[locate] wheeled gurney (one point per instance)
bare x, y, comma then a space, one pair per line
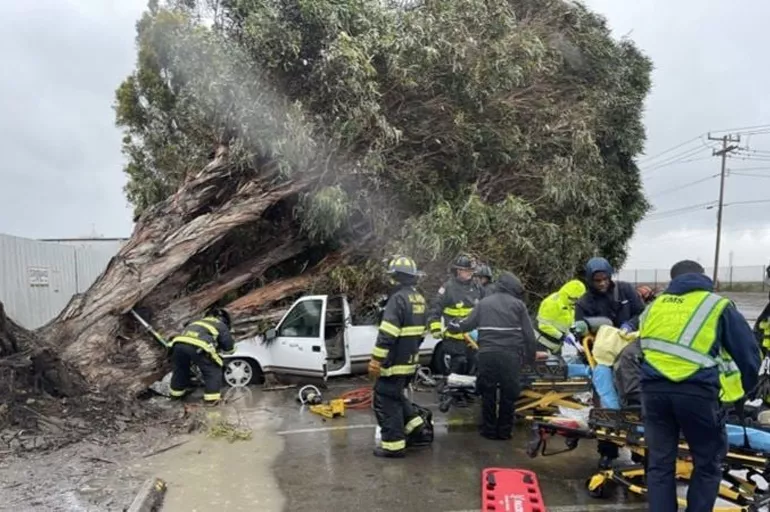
546, 385
749, 454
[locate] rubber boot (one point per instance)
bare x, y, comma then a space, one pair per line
379, 452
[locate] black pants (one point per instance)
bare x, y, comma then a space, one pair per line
457, 351
703, 424
395, 415
498, 370
184, 355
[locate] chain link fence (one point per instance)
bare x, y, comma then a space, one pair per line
734, 278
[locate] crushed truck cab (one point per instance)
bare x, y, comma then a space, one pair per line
317, 338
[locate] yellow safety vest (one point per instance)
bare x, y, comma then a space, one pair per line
677, 334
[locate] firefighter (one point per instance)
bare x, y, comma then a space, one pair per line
506, 340
556, 315
698, 355
455, 301
395, 358
200, 344
483, 276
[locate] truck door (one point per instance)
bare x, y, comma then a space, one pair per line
299, 346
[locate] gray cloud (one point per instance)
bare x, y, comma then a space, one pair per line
62, 163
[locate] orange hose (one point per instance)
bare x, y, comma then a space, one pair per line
360, 398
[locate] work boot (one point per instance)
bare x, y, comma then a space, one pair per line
419, 439
379, 452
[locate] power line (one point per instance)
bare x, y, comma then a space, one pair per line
748, 174
685, 185
685, 209
669, 150
756, 201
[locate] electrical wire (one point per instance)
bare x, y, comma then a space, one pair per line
677, 211
685, 185
748, 174
674, 159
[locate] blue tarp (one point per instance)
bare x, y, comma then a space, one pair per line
605, 387
758, 439
578, 370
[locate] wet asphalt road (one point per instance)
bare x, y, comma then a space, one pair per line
329, 466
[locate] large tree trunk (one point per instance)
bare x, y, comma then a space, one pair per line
94, 345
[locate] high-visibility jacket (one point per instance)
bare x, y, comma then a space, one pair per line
678, 333
209, 334
401, 332
556, 315
454, 302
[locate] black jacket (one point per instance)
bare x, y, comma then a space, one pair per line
454, 301
210, 334
401, 332
628, 374
620, 303
502, 321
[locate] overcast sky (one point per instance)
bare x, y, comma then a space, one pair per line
62, 164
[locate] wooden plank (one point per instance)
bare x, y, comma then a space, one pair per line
150, 496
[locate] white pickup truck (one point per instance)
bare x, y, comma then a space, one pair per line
316, 338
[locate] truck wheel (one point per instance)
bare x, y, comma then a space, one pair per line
241, 372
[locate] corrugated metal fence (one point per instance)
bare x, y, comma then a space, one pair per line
38, 278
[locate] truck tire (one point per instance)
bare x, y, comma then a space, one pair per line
241, 371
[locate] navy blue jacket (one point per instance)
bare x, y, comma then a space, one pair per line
620, 303
733, 333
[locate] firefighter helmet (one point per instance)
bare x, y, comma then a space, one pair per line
463, 262
403, 265
222, 314
484, 271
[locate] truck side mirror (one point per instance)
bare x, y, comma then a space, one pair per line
270, 335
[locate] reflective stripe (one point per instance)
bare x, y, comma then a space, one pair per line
458, 312
174, 392
398, 369
210, 397
678, 351
407, 330
698, 318
454, 336
413, 330
499, 328
206, 347
558, 325
413, 424
393, 446
728, 367
435, 326
548, 343
206, 325
389, 328
380, 352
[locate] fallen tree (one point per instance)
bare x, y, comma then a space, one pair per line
277, 148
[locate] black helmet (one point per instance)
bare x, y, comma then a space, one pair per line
403, 265
463, 262
222, 314
483, 270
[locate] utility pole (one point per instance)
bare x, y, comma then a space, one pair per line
723, 153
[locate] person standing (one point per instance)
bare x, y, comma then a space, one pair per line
395, 358
698, 354
617, 301
454, 301
506, 339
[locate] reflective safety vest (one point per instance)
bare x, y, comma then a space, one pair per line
677, 334
202, 334
764, 326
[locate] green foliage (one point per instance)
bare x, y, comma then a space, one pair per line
506, 129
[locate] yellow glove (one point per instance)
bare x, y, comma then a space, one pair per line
374, 368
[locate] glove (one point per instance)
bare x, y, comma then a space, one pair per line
626, 327
374, 368
580, 327
570, 339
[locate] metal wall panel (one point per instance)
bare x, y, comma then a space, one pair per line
37, 279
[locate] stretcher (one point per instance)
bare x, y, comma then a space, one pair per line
745, 470
508, 489
546, 385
